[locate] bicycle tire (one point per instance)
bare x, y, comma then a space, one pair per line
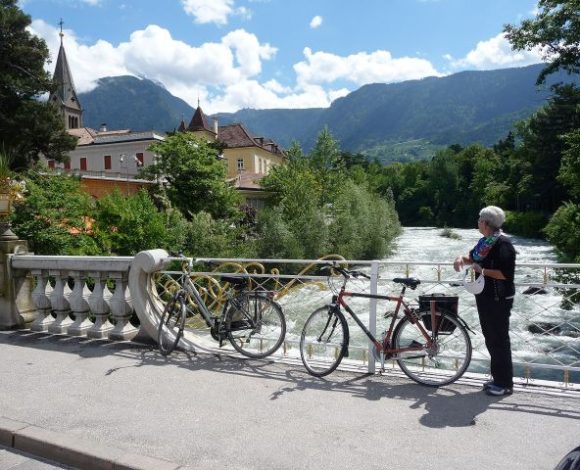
324, 341
441, 365
256, 326
171, 324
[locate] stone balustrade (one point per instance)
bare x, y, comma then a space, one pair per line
79, 295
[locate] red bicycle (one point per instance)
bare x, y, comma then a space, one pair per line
430, 343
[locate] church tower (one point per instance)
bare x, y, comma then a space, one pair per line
65, 95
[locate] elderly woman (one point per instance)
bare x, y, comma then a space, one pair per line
494, 258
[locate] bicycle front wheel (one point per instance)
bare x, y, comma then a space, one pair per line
324, 341
440, 363
172, 323
255, 325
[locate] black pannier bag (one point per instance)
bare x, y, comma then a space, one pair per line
443, 303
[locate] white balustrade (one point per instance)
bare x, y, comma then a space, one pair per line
81, 311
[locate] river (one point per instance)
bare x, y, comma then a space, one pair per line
531, 315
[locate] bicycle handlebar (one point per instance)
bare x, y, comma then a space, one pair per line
345, 272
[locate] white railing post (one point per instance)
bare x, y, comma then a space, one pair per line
98, 302
41, 299
371, 366
121, 308
79, 305
59, 302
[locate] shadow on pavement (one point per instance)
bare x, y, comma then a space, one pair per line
451, 406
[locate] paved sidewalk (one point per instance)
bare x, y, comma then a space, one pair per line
216, 412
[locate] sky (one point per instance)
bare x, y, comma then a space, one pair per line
234, 54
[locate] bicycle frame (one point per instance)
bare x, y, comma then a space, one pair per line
385, 345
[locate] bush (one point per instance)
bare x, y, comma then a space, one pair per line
126, 225
526, 224
207, 237
56, 216
563, 231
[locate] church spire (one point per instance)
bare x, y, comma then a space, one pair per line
65, 95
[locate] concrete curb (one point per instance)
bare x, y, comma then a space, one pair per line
75, 452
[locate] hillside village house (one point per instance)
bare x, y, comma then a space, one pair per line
107, 159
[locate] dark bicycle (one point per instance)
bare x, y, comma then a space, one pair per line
250, 320
431, 344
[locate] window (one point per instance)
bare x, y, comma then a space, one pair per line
51, 164
67, 165
139, 159
73, 122
240, 164
256, 203
107, 162
83, 164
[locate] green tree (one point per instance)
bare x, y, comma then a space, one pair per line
563, 231
28, 126
317, 208
325, 159
569, 173
542, 146
556, 28
127, 225
195, 176
55, 216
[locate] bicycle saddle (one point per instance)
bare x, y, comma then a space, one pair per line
234, 281
408, 281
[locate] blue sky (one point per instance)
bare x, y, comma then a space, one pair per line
234, 54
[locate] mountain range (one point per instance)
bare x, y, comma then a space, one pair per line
397, 121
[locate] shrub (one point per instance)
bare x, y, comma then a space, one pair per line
526, 224
563, 231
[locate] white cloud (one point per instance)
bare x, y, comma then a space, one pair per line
316, 22
226, 75
213, 11
248, 51
92, 2
495, 53
203, 71
361, 68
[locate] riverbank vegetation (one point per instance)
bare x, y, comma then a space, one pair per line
318, 206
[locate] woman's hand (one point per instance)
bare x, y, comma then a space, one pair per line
458, 263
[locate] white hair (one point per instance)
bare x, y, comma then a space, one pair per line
493, 215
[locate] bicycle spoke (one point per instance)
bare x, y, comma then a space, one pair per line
443, 361
321, 353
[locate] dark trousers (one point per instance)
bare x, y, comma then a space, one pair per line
494, 317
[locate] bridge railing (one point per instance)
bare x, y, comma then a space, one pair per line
116, 297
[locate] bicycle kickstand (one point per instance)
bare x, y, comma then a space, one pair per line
382, 369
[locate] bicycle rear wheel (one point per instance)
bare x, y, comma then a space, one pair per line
324, 341
442, 363
172, 323
255, 325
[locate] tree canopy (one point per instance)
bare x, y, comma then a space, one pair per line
556, 28
28, 126
195, 176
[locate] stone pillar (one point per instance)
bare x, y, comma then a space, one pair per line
16, 308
